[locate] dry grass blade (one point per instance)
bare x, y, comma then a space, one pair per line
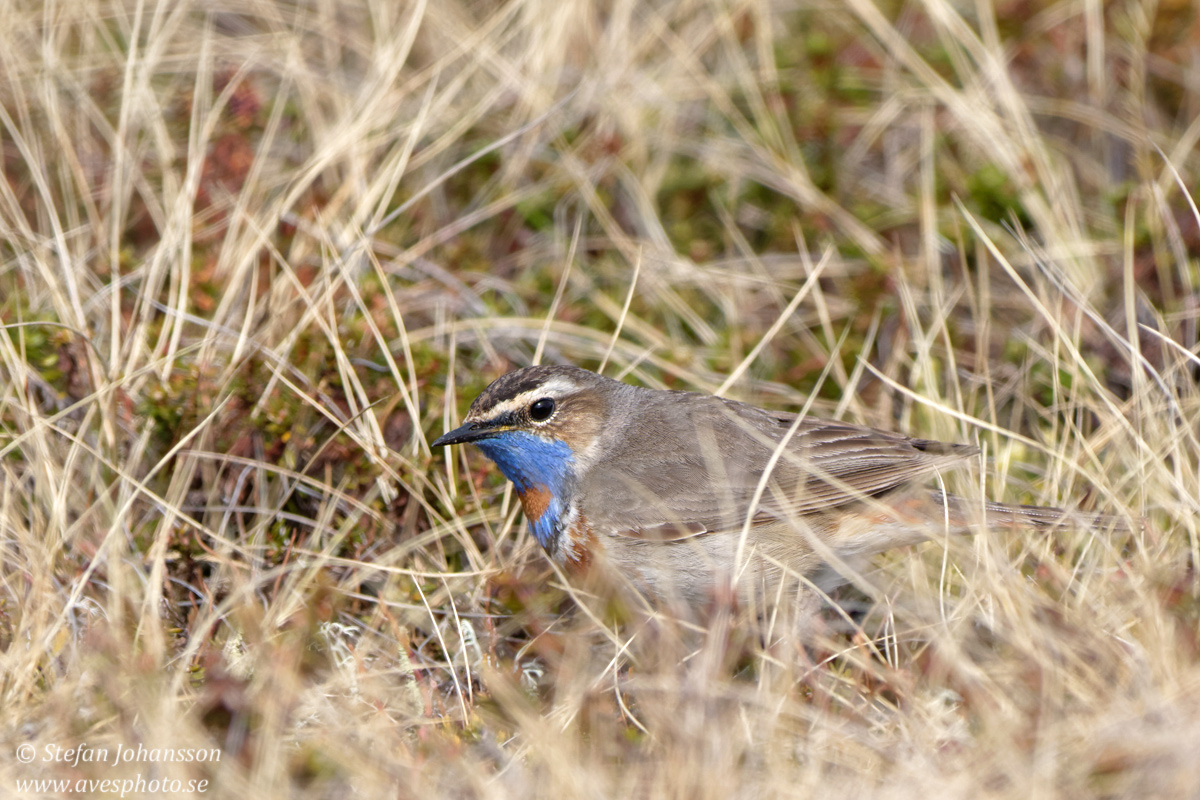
254, 255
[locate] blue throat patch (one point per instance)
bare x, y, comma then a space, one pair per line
534, 463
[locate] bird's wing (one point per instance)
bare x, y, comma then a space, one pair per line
834, 463
702, 469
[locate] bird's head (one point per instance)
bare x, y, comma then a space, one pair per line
541, 426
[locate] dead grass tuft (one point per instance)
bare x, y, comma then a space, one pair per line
256, 254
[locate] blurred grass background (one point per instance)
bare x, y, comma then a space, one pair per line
255, 255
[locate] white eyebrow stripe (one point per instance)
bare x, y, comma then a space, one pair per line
512, 404
555, 387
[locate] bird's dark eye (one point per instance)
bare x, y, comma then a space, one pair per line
541, 410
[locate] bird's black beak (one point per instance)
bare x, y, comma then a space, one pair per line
470, 432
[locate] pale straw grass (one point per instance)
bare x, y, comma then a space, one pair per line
257, 253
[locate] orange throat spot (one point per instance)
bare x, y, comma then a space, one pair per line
535, 500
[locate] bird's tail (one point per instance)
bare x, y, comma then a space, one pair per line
1001, 514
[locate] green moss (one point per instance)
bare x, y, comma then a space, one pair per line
995, 197
538, 212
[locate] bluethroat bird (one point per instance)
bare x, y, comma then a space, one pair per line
682, 494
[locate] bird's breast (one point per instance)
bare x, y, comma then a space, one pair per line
577, 545
560, 529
